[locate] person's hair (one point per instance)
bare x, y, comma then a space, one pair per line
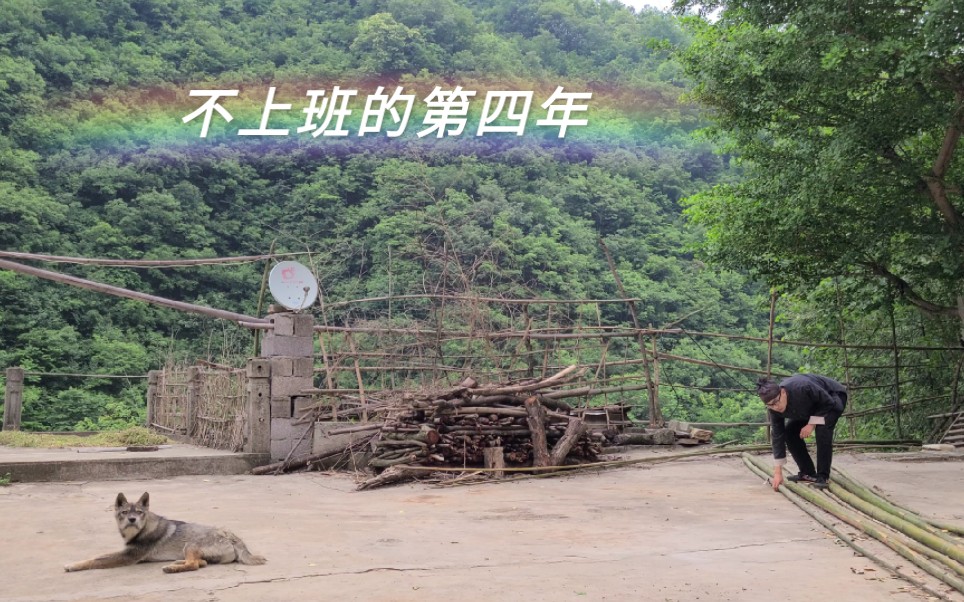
767, 389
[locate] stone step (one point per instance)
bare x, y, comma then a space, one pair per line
134, 468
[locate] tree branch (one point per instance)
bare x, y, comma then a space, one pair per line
908, 293
935, 179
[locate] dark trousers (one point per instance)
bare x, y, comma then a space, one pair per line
824, 437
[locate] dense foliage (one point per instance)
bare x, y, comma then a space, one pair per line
517, 218
846, 118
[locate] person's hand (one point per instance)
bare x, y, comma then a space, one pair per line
806, 431
777, 479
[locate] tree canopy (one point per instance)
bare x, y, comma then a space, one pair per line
846, 120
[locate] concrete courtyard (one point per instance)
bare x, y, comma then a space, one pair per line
702, 529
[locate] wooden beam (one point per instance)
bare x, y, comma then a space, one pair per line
117, 291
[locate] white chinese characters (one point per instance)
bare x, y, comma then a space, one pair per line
445, 113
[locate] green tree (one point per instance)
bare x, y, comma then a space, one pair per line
846, 119
385, 46
21, 90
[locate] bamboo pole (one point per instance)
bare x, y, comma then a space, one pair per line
140, 263
942, 525
856, 488
828, 504
895, 570
795, 343
938, 549
484, 299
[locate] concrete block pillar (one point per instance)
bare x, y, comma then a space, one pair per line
289, 347
258, 390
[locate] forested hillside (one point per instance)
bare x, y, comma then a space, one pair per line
96, 161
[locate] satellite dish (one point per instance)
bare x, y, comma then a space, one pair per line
293, 285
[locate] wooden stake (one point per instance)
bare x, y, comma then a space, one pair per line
361, 385
494, 459
561, 449
537, 427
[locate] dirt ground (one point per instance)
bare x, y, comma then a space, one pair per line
703, 529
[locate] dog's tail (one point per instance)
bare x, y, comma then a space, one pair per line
246, 557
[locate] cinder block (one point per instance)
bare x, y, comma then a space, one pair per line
281, 366
303, 403
290, 346
304, 325
282, 428
259, 368
303, 366
281, 448
285, 434
280, 407
284, 324
289, 386
324, 442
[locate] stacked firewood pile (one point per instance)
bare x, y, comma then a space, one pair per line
470, 425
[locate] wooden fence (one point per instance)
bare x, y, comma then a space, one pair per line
204, 403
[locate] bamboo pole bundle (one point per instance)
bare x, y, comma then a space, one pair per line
844, 480
894, 569
898, 544
942, 526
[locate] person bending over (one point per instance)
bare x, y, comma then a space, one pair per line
800, 405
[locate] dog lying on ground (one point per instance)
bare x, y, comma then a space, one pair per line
152, 538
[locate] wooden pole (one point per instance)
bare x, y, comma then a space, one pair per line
328, 375
527, 342
193, 393
264, 285
13, 399
893, 334
127, 293
654, 409
653, 403
358, 377
851, 421
152, 380
773, 313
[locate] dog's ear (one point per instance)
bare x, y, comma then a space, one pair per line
121, 500
145, 500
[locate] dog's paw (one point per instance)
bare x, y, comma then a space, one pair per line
70, 568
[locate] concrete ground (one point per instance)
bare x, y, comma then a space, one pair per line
703, 529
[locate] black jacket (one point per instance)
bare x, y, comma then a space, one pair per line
808, 396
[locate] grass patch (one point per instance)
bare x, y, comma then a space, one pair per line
4, 480
133, 436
